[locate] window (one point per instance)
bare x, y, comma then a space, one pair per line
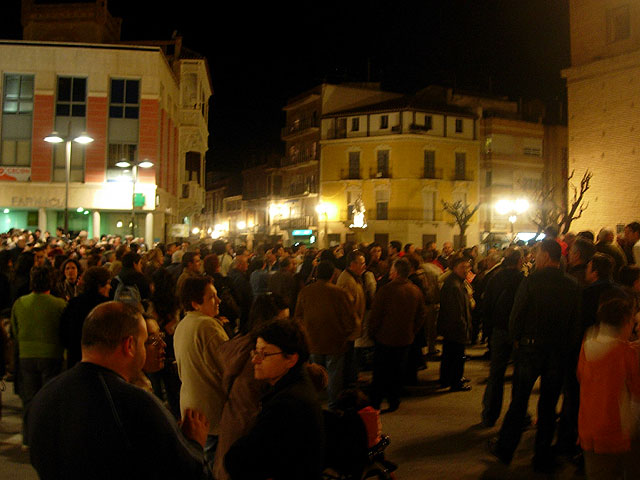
428, 122
429, 205
192, 167
17, 120
76, 166
459, 125
429, 164
461, 166
125, 99
383, 164
117, 153
355, 124
18, 94
382, 205
72, 97
488, 178
354, 165
618, 24
384, 122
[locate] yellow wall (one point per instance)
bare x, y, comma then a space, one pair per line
406, 186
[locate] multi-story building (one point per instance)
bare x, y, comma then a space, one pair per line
138, 102
521, 155
400, 158
292, 212
603, 85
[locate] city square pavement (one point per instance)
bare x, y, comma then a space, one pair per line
434, 435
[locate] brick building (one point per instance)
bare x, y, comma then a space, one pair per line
604, 100
139, 102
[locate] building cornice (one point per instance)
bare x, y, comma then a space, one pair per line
605, 66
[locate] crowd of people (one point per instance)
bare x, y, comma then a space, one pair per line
233, 346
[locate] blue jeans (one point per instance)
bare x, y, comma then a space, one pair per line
335, 368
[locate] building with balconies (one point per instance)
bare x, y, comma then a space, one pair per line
401, 158
139, 101
293, 204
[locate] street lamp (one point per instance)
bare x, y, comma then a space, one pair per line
513, 208
82, 139
134, 178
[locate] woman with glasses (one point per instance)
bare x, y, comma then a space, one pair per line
243, 401
155, 355
286, 441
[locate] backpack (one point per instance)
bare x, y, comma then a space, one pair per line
127, 293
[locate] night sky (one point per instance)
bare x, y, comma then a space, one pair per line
260, 55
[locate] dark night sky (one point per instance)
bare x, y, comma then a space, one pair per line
260, 55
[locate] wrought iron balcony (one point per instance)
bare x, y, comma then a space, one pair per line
379, 173
350, 174
432, 173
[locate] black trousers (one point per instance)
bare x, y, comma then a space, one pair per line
529, 364
451, 364
388, 367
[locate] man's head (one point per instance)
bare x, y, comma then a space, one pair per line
549, 253
356, 262
513, 258
401, 269
632, 233
325, 270
394, 248
600, 267
113, 336
40, 278
191, 262
606, 235
617, 313
447, 249
96, 280
132, 260
409, 248
288, 264
581, 252
460, 267
551, 232
39, 256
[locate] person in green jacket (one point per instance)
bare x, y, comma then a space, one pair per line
35, 324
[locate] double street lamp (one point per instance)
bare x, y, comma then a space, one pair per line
134, 178
82, 139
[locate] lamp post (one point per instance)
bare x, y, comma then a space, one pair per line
82, 139
512, 209
134, 178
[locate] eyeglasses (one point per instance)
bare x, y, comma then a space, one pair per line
154, 340
260, 356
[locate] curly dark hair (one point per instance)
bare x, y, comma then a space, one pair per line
164, 299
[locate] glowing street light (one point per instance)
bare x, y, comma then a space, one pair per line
134, 178
82, 139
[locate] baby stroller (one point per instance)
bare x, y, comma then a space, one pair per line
354, 447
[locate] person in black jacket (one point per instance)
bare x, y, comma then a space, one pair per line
454, 324
131, 274
496, 307
287, 440
95, 290
89, 422
545, 327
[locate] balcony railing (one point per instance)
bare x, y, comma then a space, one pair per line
413, 214
432, 173
379, 173
461, 176
297, 223
296, 128
302, 188
299, 158
420, 128
349, 174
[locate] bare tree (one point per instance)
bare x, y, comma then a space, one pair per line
462, 213
547, 212
577, 205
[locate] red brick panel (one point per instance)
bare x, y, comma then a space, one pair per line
41, 151
162, 167
149, 139
175, 162
96, 152
170, 154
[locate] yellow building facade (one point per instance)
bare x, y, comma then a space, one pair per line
401, 160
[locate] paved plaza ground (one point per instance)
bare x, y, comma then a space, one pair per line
434, 435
